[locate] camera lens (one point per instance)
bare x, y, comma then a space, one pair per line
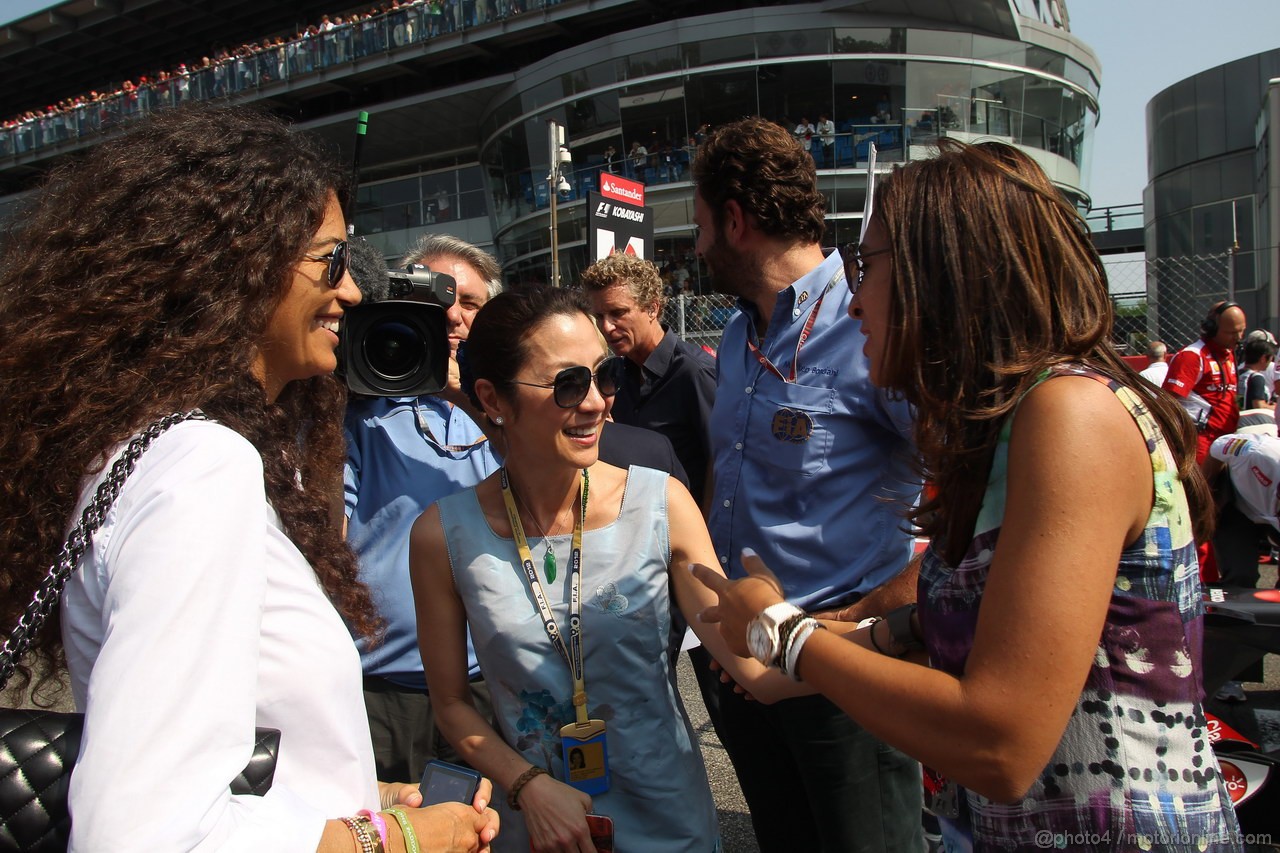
394, 349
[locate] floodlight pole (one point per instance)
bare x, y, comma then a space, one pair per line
555, 140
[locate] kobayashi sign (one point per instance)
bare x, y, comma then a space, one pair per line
616, 225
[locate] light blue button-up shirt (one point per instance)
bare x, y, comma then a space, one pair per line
815, 474
403, 454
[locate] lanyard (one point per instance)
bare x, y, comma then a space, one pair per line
804, 335
426, 430
573, 653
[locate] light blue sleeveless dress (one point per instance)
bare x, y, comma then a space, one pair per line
659, 799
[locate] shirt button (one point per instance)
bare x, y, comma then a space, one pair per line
738, 446
727, 502
724, 561
749, 389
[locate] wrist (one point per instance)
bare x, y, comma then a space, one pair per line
513, 793
797, 634
401, 837
764, 633
904, 635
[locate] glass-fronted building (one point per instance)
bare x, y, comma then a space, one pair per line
458, 141
1211, 158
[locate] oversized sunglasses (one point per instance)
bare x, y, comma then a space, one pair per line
572, 384
337, 260
855, 270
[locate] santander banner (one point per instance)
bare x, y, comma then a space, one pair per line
622, 189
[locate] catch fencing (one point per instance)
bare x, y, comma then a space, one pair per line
1155, 299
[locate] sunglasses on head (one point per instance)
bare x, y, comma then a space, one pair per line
337, 260
572, 384
855, 270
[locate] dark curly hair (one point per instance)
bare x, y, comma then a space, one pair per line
767, 172
994, 279
137, 284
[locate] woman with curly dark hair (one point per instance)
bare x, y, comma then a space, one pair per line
1049, 672
196, 262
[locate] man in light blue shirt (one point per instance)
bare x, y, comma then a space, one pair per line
404, 454
812, 468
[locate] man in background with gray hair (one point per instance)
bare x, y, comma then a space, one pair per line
1157, 368
403, 454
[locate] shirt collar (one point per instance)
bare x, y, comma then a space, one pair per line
1216, 350
795, 300
660, 359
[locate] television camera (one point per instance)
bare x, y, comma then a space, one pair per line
398, 346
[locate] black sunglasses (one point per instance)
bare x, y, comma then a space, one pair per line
851, 255
337, 260
573, 383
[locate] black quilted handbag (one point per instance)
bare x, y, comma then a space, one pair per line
39, 748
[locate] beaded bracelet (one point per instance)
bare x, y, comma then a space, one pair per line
406, 829
798, 637
378, 824
522, 780
360, 829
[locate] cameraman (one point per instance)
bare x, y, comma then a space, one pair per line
403, 454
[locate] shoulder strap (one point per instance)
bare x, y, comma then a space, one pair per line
50, 589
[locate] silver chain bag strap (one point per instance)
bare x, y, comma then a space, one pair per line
38, 749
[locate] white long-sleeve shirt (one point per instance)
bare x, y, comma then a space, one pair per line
191, 620
1254, 463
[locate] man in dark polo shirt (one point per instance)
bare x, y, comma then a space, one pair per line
669, 387
670, 384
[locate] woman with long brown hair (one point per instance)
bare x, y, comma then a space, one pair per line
196, 262
1059, 607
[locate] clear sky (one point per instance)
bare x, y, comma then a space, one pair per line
1145, 46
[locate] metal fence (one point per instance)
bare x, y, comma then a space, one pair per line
1160, 299
1167, 298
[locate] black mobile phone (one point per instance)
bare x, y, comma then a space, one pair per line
443, 782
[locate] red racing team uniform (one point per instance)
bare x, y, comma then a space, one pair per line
1206, 369
1203, 377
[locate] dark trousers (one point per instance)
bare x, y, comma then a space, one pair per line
402, 724
1237, 545
817, 781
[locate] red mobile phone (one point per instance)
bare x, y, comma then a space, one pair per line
601, 828
601, 832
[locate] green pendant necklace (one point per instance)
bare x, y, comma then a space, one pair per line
549, 567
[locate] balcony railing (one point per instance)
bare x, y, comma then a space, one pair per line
253, 67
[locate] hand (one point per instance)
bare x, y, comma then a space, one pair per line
454, 828
740, 600
840, 614
399, 794
452, 390
555, 815
407, 794
726, 678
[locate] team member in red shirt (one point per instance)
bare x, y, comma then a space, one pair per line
1202, 376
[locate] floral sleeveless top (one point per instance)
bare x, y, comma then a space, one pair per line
1134, 770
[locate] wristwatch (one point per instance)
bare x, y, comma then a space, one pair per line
762, 634
901, 631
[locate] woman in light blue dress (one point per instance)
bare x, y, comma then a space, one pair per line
541, 373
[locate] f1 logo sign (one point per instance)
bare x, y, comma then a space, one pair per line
602, 209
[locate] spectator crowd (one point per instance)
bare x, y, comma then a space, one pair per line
333, 40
